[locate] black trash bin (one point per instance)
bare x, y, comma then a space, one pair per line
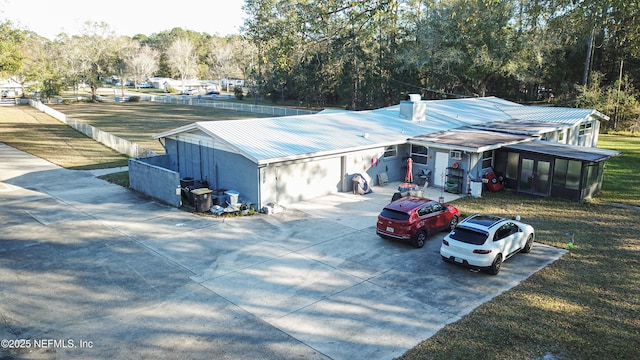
187, 182
202, 199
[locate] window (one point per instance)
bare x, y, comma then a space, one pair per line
567, 173
561, 136
394, 214
424, 210
592, 174
390, 151
419, 154
487, 158
573, 175
512, 165
560, 172
585, 129
469, 236
505, 230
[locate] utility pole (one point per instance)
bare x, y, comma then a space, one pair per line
615, 116
587, 63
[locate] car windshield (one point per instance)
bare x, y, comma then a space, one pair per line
394, 214
468, 236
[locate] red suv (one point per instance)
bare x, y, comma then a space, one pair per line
415, 219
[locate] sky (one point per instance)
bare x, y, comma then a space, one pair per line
48, 18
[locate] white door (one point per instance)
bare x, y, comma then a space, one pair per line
442, 161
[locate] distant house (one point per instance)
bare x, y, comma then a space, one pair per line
539, 150
10, 88
194, 85
231, 82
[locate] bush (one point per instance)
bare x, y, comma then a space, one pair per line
134, 99
172, 90
237, 91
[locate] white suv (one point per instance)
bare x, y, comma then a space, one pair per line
485, 241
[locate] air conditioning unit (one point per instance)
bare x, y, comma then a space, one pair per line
455, 154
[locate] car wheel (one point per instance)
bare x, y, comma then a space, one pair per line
454, 222
495, 267
527, 247
420, 239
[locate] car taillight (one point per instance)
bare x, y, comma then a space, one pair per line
445, 242
481, 251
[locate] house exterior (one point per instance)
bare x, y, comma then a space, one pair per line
289, 159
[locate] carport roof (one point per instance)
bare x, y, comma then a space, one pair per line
330, 132
582, 153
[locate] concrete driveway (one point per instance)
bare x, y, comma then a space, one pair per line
92, 270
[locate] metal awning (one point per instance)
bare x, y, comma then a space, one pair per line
582, 153
469, 140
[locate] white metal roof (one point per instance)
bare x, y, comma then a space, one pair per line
267, 140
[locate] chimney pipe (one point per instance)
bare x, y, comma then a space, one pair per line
413, 109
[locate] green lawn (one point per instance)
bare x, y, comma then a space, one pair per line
586, 305
622, 174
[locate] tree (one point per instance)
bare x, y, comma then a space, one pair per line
221, 59
98, 51
182, 59
124, 49
10, 55
143, 64
45, 65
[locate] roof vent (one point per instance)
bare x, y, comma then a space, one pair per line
413, 109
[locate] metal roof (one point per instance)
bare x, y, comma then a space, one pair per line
583, 153
468, 139
330, 132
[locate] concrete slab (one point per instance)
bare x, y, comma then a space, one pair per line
88, 261
364, 321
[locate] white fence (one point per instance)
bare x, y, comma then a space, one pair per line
116, 143
214, 101
134, 150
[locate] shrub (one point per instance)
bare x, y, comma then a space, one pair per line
134, 99
237, 91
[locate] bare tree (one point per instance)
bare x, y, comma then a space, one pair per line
144, 64
124, 49
96, 46
182, 59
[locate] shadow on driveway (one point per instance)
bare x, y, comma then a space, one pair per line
91, 262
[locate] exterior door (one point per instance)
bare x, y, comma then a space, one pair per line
442, 161
534, 176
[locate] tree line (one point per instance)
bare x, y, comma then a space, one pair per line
369, 54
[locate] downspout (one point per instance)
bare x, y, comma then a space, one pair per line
261, 180
469, 173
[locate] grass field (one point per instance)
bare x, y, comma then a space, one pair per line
139, 121
39, 134
586, 305
621, 180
